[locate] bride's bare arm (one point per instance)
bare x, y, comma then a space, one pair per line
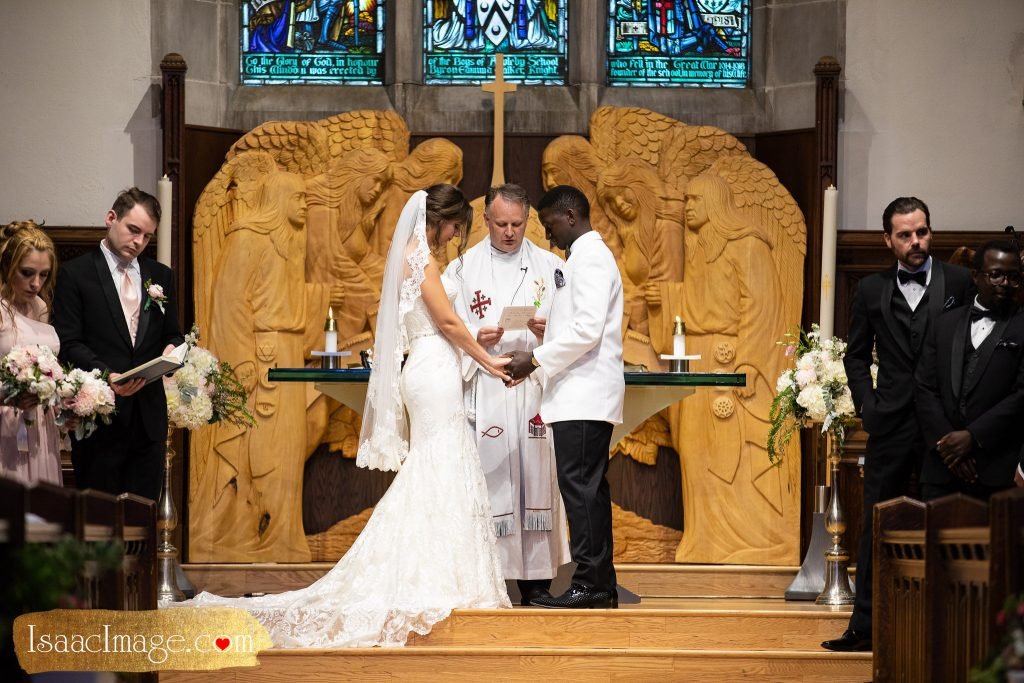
451, 325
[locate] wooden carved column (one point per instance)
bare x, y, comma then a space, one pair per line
173, 68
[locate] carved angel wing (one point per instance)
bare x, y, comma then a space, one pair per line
758, 192
382, 130
298, 146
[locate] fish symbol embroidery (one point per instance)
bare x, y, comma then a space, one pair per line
493, 432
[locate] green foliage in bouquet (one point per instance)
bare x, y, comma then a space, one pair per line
1010, 654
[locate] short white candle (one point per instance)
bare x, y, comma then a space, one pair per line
330, 333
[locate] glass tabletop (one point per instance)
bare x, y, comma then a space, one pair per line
691, 379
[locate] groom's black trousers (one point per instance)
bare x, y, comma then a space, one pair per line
581, 457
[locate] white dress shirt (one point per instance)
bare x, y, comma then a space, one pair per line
912, 291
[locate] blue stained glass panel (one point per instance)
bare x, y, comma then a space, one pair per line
697, 43
312, 42
461, 37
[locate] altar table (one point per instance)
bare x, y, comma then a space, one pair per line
647, 393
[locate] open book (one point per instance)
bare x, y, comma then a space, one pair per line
158, 367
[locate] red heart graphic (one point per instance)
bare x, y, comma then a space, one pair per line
222, 643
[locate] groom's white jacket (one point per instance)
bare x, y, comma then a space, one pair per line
581, 357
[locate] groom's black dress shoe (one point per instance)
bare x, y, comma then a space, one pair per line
580, 597
533, 593
850, 641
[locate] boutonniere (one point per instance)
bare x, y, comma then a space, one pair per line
539, 290
154, 296
559, 278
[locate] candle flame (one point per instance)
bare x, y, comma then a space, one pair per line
330, 312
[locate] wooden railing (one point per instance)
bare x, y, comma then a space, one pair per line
942, 571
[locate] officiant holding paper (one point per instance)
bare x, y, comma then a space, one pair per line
507, 280
107, 319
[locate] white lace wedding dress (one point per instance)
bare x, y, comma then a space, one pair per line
429, 546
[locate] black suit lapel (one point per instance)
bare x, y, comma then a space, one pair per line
895, 330
957, 351
936, 291
110, 294
144, 315
985, 352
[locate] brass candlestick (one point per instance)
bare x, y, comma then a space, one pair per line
837, 590
166, 522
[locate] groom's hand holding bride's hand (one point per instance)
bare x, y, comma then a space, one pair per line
520, 366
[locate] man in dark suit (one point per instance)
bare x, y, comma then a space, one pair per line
891, 312
107, 319
970, 384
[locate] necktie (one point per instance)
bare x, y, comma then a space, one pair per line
129, 301
905, 276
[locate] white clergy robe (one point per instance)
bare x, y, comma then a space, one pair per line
516, 451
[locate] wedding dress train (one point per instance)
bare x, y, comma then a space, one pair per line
429, 546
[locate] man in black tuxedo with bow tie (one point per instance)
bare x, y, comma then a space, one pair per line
891, 314
105, 319
970, 384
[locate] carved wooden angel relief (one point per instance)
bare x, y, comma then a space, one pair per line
354, 172
706, 232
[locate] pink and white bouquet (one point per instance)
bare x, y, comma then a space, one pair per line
205, 390
34, 370
87, 395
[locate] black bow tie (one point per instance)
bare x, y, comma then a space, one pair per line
980, 313
905, 276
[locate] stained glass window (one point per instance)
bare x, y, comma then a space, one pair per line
312, 41
461, 37
701, 43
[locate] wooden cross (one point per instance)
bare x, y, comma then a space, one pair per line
499, 87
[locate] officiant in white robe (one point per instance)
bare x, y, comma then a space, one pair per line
516, 449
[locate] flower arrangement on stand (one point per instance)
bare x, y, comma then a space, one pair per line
203, 391
813, 391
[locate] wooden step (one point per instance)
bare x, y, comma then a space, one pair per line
654, 623
539, 664
646, 580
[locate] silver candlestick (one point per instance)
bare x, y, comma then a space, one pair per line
166, 522
837, 590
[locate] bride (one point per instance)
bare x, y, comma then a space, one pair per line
429, 546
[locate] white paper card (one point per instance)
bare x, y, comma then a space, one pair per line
515, 317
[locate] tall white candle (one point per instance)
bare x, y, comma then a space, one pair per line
826, 312
163, 231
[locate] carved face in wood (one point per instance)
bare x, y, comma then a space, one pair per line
696, 211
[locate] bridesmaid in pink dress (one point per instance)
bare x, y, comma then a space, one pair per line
28, 268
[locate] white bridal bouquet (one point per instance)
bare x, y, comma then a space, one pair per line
87, 395
205, 390
815, 390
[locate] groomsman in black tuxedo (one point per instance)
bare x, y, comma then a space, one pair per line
107, 319
891, 314
970, 384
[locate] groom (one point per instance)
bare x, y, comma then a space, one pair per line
581, 367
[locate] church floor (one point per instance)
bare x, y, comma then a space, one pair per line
669, 638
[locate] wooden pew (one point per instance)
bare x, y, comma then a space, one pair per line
98, 522
137, 580
942, 573
957, 595
900, 537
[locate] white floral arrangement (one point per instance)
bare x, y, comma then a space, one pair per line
31, 369
204, 391
815, 390
87, 395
